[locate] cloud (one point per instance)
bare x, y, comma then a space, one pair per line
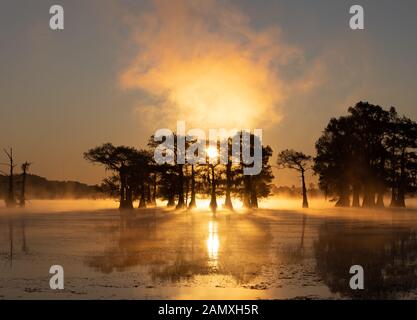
203, 62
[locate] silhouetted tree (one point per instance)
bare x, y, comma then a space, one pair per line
140, 170
401, 143
10, 199
261, 183
117, 159
370, 125
229, 176
299, 161
213, 163
25, 167
252, 187
192, 203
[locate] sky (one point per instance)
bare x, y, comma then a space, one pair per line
120, 70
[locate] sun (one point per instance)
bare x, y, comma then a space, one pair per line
212, 152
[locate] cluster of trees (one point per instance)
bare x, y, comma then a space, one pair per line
364, 154
11, 199
136, 176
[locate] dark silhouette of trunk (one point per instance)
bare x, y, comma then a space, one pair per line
181, 202
142, 200
394, 195
228, 201
368, 197
22, 200
343, 200
148, 193
154, 183
326, 192
305, 201
401, 185
253, 195
192, 201
125, 191
356, 196
380, 199
394, 199
246, 192
129, 198
381, 184
171, 200
10, 200
122, 188
187, 186
213, 200
171, 196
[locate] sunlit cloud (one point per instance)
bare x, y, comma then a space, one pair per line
203, 62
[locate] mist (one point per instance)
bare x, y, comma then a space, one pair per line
206, 64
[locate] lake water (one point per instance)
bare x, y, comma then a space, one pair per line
155, 253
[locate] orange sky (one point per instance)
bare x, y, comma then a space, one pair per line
119, 71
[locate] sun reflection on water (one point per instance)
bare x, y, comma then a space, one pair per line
213, 243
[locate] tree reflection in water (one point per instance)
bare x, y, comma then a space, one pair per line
179, 247
387, 254
15, 228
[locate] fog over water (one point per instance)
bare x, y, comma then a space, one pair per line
152, 253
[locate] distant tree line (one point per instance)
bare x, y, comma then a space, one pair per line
136, 176
366, 153
16, 187
294, 192
40, 188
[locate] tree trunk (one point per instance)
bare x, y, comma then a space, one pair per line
122, 188
154, 183
129, 198
394, 199
246, 192
228, 201
344, 200
381, 184
192, 201
305, 201
171, 200
368, 197
11, 199
401, 185
380, 200
22, 200
394, 195
148, 193
187, 186
142, 200
180, 203
253, 195
213, 200
356, 196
